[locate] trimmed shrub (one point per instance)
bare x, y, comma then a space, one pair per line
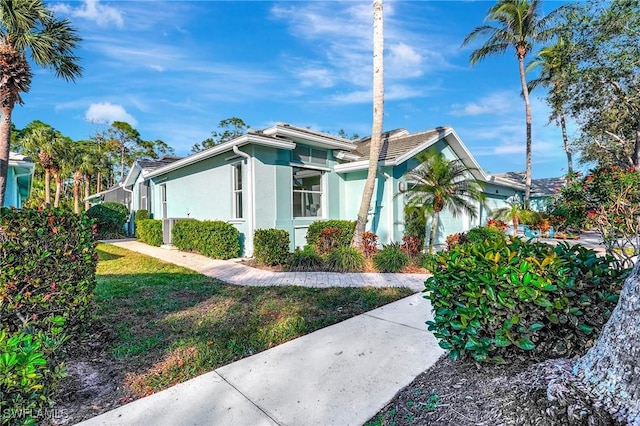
271, 246
345, 259
47, 268
27, 378
329, 239
484, 233
344, 237
304, 260
110, 218
391, 258
495, 300
149, 231
216, 239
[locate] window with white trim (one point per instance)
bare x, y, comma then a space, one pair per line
163, 200
306, 154
307, 192
237, 190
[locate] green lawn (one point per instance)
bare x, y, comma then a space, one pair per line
170, 324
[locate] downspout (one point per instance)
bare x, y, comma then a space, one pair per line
250, 219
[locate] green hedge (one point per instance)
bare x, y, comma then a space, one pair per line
345, 227
216, 239
110, 218
271, 246
149, 231
47, 267
499, 299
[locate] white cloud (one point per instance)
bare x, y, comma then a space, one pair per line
404, 61
496, 103
93, 10
106, 112
157, 68
315, 77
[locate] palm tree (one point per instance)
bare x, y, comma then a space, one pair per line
518, 24
556, 68
28, 27
438, 184
43, 143
514, 212
376, 130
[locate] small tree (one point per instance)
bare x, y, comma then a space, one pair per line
438, 184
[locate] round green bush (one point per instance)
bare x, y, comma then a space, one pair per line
343, 237
345, 259
149, 231
110, 218
304, 260
484, 233
502, 299
391, 258
271, 246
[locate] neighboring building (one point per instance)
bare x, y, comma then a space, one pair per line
19, 180
287, 177
541, 189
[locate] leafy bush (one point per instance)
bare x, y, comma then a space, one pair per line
216, 239
304, 260
110, 218
27, 378
47, 268
344, 237
271, 246
497, 223
415, 223
455, 239
345, 259
149, 231
484, 233
497, 299
369, 243
329, 239
391, 258
412, 245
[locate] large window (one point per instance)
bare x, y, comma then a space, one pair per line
163, 200
305, 154
237, 190
307, 192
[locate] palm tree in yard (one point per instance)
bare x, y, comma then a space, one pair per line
29, 28
517, 23
555, 70
43, 143
376, 131
439, 184
515, 213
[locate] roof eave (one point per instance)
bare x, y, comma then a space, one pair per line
325, 141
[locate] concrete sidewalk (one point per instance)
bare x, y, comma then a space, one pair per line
339, 375
235, 273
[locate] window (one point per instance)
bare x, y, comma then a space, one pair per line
307, 192
237, 190
163, 198
143, 193
305, 154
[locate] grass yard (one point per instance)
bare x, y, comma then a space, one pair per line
162, 324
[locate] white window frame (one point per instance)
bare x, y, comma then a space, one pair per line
236, 170
163, 200
322, 192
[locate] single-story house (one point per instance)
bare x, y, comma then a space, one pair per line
19, 180
286, 177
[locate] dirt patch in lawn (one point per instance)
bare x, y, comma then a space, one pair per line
465, 393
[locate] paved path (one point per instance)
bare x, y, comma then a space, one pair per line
235, 273
339, 375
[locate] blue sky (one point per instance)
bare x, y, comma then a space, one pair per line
175, 69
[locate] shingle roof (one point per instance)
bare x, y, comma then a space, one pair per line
545, 186
395, 143
146, 163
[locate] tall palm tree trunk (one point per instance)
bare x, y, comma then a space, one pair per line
565, 140
527, 105
87, 191
47, 187
58, 180
5, 137
376, 130
77, 181
435, 219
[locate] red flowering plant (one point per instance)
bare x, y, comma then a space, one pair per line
369, 243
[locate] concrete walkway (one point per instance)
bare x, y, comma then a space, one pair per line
339, 375
235, 273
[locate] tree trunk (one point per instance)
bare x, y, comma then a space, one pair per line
376, 131
58, 180
435, 218
87, 191
5, 141
611, 368
527, 106
565, 140
47, 187
77, 181
99, 182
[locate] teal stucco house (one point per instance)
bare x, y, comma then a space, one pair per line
19, 180
286, 177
